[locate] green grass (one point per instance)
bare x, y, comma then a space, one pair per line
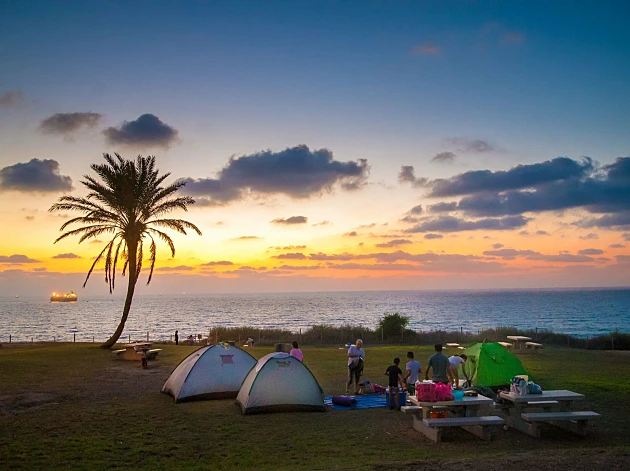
75, 406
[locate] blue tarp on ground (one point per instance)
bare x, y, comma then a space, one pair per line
367, 401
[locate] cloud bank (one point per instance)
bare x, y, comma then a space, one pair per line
34, 176
296, 172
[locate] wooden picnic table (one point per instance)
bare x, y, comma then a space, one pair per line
135, 351
522, 411
466, 413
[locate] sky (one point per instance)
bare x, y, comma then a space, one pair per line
329, 145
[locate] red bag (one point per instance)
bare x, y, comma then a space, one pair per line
443, 392
425, 392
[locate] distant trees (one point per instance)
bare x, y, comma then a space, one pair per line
393, 325
130, 203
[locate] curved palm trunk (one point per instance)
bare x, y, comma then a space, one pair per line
130, 290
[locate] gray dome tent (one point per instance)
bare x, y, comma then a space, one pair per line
212, 372
280, 383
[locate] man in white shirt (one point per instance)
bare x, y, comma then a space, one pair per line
453, 366
356, 355
411, 376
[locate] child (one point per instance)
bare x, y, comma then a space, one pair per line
395, 378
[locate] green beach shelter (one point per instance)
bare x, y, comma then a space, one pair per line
491, 364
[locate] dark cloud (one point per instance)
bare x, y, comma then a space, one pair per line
466, 144
523, 233
558, 184
297, 267
218, 263
444, 157
626, 236
147, 130
519, 177
17, 259
291, 256
407, 175
619, 220
511, 254
410, 219
66, 255
291, 221
296, 172
497, 246
416, 210
65, 123
394, 243
322, 256
543, 233
589, 236
323, 223
433, 236
34, 176
29, 218
178, 268
443, 207
246, 238
8, 99
591, 252
617, 246
453, 224
351, 234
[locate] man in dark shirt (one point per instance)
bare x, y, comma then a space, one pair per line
439, 363
395, 378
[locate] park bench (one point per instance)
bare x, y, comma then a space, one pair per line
479, 426
151, 354
119, 352
533, 345
575, 422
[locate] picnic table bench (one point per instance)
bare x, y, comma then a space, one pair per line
533, 345
464, 414
507, 345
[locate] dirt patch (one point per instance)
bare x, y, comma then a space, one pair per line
26, 401
577, 460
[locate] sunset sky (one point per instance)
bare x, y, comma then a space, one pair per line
355, 145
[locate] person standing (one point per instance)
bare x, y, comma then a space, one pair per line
177, 337
296, 352
356, 356
411, 375
395, 378
438, 362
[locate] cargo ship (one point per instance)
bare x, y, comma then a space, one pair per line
70, 297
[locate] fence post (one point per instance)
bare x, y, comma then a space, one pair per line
10, 338
612, 341
74, 337
147, 335
92, 339
129, 338
31, 339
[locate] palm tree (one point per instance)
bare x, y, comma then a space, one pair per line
129, 203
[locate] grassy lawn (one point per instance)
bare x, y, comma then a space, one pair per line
75, 406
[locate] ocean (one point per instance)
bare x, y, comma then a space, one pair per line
578, 312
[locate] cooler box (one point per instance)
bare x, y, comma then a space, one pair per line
402, 395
